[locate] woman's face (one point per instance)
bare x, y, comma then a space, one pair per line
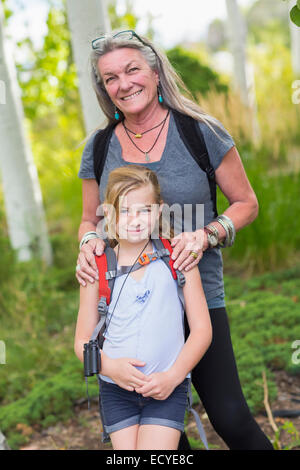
129, 81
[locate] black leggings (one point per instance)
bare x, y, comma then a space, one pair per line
216, 381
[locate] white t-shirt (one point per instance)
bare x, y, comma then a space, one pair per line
148, 321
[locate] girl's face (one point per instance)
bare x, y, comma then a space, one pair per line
129, 81
138, 214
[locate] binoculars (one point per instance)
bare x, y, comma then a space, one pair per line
91, 358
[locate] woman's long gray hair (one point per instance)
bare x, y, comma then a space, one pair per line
169, 81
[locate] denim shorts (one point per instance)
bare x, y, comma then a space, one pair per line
123, 408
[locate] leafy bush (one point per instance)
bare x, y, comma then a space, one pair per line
197, 77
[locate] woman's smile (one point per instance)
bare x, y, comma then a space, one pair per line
133, 95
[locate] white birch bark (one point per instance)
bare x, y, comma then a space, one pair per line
87, 20
22, 194
243, 71
237, 40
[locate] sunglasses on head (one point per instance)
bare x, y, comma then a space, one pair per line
127, 35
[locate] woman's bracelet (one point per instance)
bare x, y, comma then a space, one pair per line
228, 226
86, 237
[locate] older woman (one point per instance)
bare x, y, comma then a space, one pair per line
138, 90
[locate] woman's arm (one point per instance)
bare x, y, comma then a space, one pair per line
243, 209
90, 203
234, 184
89, 220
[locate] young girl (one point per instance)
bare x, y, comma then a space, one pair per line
145, 361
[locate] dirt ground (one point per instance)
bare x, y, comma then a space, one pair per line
82, 432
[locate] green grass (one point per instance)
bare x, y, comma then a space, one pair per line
43, 378
38, 309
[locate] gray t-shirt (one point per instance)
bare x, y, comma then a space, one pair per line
182, 182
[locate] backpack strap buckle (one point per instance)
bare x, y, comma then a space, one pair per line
102, 306
180, 278
210, 172
144, 259
110, 274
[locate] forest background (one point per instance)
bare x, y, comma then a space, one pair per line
41, 378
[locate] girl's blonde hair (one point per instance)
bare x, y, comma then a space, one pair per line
120, 181
169, 81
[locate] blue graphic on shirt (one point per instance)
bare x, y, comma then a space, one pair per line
142, 298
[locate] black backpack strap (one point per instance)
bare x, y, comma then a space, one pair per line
100, 148
193, 139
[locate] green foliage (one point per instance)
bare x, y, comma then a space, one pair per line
39, 305
289, 427
295, 14
49, 84
264, 321
7, 12
52, 398
54, 120
42, 376
264, 244
198, 78
128, 19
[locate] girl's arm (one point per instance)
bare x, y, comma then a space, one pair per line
122, 371
87, 320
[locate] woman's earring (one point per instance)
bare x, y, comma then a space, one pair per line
117, 115
160, 98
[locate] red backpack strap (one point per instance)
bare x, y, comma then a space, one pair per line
177, 275
168, 246
106, 263
104, 290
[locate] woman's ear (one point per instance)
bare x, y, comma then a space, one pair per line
156, 77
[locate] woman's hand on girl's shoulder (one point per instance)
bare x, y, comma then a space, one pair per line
185, 243
86, 260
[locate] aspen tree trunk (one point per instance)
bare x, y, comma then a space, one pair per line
243, 72
237, 39
87, 21
22, 194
